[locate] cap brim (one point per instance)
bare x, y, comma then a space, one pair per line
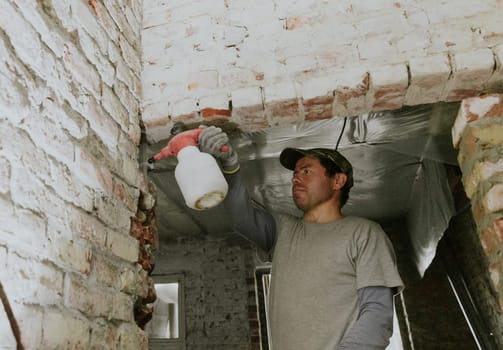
289, 157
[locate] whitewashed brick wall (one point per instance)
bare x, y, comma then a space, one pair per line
69, 174
266, 56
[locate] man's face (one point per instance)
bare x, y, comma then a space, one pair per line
310, 184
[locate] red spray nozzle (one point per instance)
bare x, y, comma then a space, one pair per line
179, 141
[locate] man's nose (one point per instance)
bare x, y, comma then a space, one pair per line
295, 179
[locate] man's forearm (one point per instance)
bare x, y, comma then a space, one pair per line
374, 326
255, 224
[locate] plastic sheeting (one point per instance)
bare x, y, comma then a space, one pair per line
398, 159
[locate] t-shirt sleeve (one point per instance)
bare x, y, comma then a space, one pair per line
374, 259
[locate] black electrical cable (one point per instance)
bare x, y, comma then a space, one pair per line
342, 132
12, 320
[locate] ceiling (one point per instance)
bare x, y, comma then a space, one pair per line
387, 151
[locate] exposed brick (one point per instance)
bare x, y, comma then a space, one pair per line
114, 107
252, 118
248, 109
98, 58
131, 56
107, 22
126, 75
388, 85
318, 97
127, 98
281, 104
215, 114
122, 307
318, 107
134, 130
283, 111
493, 199
481, 171
86, 226
123, 246
32, 282
87, 20
184, 109
132, 338
214, 106
488, 135
71, 254
84, 72
473, 109
49, 137
91, 171
470, 72
479, 142
128, 29
70, 188
69, 119
130, 172
105, 271
121, 191
104, 336
428, 76
89, 299
112, 212
106, 128
492, 238
74, 334
495, 83
134, 281
351, 93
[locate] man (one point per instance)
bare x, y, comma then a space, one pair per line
333, 277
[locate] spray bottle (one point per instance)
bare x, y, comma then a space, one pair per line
198, 175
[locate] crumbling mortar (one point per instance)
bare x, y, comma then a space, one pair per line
144, 229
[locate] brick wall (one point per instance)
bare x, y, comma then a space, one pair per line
69, 172
265, 63
478, 133
219, 292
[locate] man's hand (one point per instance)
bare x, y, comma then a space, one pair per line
211, 141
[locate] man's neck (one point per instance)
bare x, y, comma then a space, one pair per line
324, 213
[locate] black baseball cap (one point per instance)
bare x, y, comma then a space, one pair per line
289, 157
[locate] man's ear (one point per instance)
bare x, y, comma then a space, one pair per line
339, 181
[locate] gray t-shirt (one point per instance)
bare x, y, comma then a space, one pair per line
317, 269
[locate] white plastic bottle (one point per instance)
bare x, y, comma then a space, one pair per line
200, 179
